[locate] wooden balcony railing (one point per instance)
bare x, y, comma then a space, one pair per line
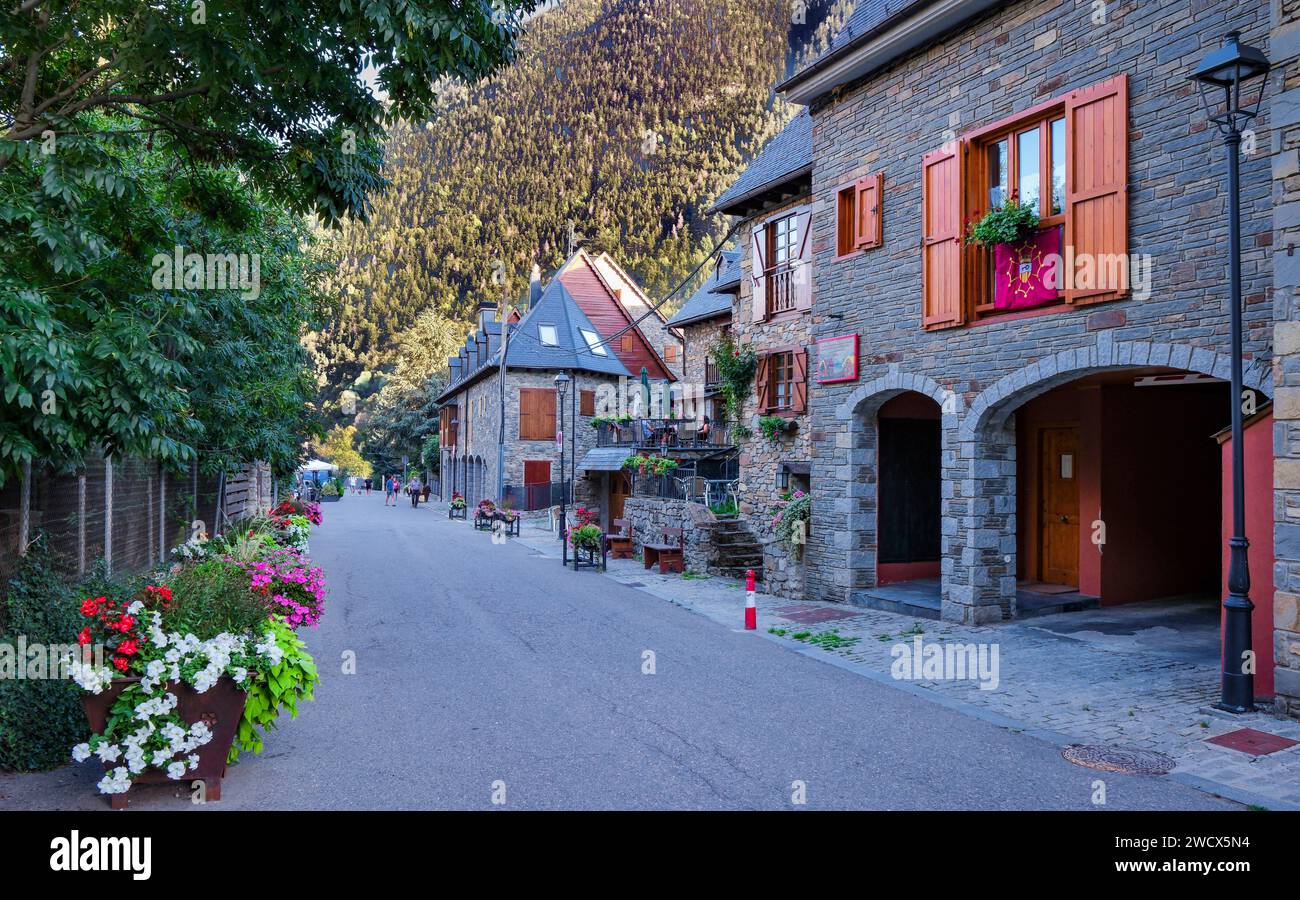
780, 289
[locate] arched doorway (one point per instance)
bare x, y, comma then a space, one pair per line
902, 433
1093, 473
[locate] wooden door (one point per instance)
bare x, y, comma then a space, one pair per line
619, 488
1059, 506
537, 483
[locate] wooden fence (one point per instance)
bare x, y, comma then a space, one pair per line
129, 512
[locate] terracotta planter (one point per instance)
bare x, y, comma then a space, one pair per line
221, 707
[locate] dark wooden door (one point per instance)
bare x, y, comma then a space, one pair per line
908, 506
619, 488
1059, 506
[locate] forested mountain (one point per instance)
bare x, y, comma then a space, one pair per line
618, 124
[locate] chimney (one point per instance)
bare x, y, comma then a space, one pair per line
487, 312
534, 286
453, 365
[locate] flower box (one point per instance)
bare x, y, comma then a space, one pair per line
220, 708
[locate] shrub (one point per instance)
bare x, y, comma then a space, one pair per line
280, 687
212, 597
40, 719
1007, 224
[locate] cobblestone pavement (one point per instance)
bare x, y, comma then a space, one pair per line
1067, 690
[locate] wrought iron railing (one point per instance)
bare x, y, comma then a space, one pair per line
688, 434
532, 497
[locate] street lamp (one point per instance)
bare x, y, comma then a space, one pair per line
1231, 82
561, 388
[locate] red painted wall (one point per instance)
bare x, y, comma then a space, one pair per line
1258, 438
1148, 469
1159, 491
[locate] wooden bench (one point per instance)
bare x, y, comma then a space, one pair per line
620, 542
670, 556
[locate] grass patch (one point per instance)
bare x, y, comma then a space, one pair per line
827, 640
779, 632
694, 576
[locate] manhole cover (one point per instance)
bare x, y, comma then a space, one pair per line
1119, 759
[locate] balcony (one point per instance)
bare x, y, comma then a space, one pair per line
663, 434
712, 379
780, 289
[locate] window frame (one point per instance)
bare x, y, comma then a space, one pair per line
555, 335
792, 244
594, 343
781, 361
977, 299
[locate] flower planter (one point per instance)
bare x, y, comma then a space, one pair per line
454, 512
221, 708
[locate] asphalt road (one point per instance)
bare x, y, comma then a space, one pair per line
480, 665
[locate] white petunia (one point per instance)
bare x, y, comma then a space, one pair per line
81, 753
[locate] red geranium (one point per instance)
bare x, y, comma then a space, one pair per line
121, 662
84, 638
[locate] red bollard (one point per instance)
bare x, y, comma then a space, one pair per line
751, 611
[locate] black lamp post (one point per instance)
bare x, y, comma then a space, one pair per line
561, 388
1231, 82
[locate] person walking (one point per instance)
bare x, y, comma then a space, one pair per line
426, 493
390, 493
368, 481
413, 488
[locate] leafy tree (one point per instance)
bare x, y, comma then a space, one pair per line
338, 448
132, 129
616, 127
277, 86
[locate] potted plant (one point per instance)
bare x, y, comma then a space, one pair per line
588, 542
330, 493
484, 513
457, 509
775, 426
1010, 224
791, 522
184, 676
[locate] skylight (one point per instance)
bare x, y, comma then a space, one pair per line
593, 342
547, 335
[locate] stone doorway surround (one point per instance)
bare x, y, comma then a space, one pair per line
978, 465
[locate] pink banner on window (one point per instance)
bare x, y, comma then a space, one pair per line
1018, 268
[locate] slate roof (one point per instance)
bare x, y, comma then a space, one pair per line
707, 302
730, 274
867, 15
786, 157
555, 307
603, 459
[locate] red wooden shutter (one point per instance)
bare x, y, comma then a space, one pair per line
941, 238
803, 273
1096, 186
763, 383
525, 414
537, 471
587, 403
799, 387
758, 273
866, 207
546, 414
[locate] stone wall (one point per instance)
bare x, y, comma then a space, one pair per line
474, 465
1285, 111
783, 574
649, 514
760, 459
1019, 55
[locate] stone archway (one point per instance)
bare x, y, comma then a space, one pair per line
858, 544
980, 580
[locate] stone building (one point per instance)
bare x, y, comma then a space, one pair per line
772, 317
1030, 427
578, 325
1283, 142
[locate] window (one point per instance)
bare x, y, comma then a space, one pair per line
670, 353
547, 335
782, 382
858, 215
1068, 159
447, 425
593, 342
782, 375
782, 250
626, 342
587, 403
536, 414
781, 265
